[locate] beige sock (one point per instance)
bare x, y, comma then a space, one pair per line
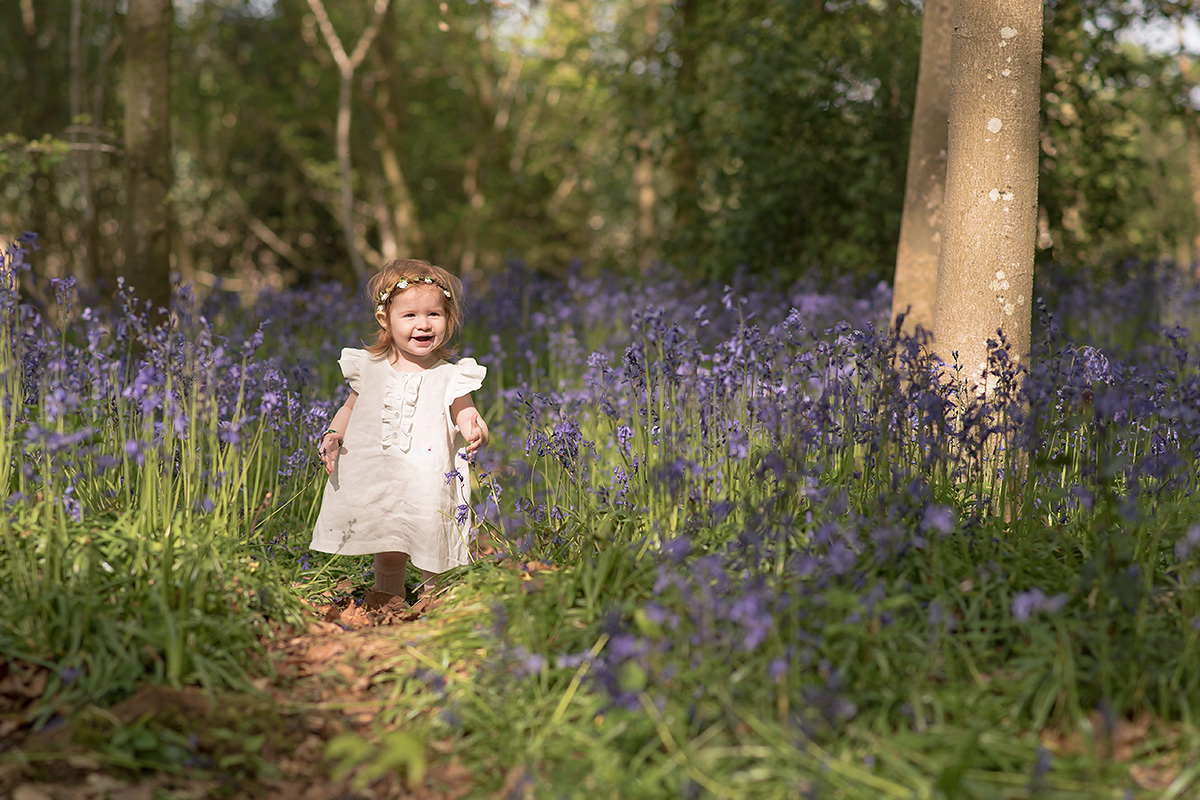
389, 572
428, 582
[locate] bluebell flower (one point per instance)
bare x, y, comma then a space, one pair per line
528, 663
134, 450
1041, 766
1035, 601
677, 549
1188, 544
939, 519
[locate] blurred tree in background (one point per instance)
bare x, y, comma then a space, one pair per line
147, 144
769, 133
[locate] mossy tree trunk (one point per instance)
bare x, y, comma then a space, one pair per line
989, 218
915, 285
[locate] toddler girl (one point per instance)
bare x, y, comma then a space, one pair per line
396, 479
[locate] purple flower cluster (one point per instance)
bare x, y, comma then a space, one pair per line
105, 396
779, 469
796, 470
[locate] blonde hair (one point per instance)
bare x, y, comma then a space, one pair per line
399, 275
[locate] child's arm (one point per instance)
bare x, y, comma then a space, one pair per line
470, 422
331, 440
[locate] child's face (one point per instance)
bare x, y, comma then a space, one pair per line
416, 321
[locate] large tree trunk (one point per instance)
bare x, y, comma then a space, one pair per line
915, 286
148, 150
989, 222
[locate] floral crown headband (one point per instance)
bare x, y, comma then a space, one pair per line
404, 283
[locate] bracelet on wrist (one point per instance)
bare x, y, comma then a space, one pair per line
329, 431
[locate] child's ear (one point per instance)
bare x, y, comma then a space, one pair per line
381, 318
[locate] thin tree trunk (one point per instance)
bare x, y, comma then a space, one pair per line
1191, 123
263, 231
985, 274
684, 163
471, 181
389, 105
104, 270
643, 172
82, 156
347, 64
1193, 160
86, 266
345, 168
915, 286
148, 151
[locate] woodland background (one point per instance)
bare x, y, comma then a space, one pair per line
769, 135
735, 537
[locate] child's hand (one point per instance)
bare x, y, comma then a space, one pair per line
474, 430
328, 448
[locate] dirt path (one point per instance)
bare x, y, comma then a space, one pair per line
275, 744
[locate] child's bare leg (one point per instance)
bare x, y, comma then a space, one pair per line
390, 569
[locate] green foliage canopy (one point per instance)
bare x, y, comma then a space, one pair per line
777, 132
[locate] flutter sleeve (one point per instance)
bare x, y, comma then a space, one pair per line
468, 376
351, 363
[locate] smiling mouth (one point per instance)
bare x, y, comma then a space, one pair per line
423, 339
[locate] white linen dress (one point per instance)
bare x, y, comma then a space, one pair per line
388, 491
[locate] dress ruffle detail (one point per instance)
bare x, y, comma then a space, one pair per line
351, 363
399, 404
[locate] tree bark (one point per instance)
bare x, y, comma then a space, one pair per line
915, 285
148, 151
989, 222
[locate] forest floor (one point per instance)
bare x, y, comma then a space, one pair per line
322, 683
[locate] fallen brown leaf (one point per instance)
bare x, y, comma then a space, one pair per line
354, 616
26, 682
27, 791
1155, 777
323, 652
